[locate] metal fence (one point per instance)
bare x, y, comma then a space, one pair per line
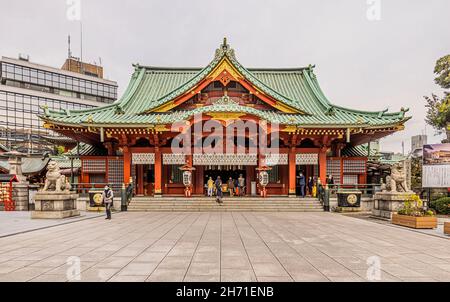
368, 190
83, 188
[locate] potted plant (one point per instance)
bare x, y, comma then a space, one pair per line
413, 214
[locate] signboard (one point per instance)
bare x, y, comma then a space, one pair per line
436, 166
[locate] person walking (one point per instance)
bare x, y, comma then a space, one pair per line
231, 186
210, 186
107, 199
218, 184
241, 185
302, 183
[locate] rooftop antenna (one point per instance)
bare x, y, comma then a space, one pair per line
69, 53
81, 47
100, 64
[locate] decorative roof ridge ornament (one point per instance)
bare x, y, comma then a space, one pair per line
381, 113
330, 111
310, 69
225, 100
224, 50
403, 112
119, 110
45, 108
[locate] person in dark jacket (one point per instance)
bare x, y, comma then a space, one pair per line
302, 183
331, 180
219, 192
107, 198
310, 185
231, 186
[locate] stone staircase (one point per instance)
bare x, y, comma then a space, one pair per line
233, 204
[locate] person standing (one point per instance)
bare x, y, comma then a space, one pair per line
236, 187
241, 184
218, 185
310, 185
107, 198
330, 180
230, 186
319, 189
302, 183
210, 186
314, 188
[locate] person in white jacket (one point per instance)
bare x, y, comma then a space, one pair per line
107, 198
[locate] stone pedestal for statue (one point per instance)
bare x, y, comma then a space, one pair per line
55, 201
394, 194
388, 203
55, 205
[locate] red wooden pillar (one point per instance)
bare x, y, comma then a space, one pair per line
126, 165
158, 172
261, 163
199, 179
249, 177
140, 179
292, 168
323, 164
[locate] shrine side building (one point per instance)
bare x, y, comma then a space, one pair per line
133, 139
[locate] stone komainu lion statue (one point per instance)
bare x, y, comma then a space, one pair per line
396, 182
54, 181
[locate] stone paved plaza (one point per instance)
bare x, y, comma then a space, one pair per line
224, 247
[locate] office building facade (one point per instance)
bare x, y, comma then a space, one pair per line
26, 89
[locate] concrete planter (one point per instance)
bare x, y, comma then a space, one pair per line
447, 228
415, 222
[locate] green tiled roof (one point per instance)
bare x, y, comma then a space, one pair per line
3, 148
151, 87
359, 151
65, 162
85, 150
30, 165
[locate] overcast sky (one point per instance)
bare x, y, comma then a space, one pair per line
361, 63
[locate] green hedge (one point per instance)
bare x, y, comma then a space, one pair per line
441, 205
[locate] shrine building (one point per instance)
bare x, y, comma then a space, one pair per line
167, 116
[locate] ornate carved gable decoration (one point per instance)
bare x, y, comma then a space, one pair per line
225, 71
208, 159
225, 100
143, 158
306, 159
